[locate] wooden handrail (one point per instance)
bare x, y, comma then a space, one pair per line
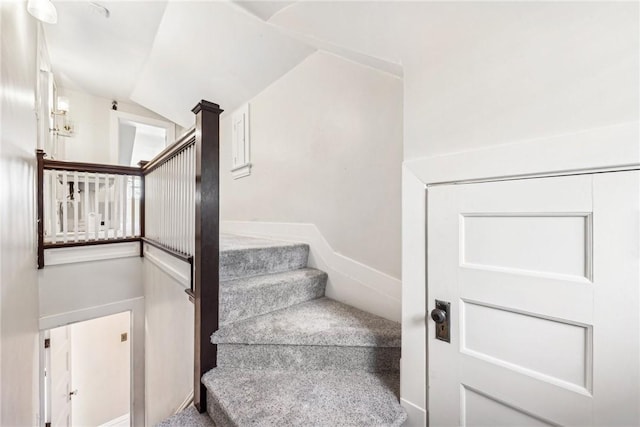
170, 151
91, 167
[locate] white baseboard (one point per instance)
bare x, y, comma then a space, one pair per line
57, 256
185, 403
121, 421
416, 416
349, 281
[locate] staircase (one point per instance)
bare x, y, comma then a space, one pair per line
288, 355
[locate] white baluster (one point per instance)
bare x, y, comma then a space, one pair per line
65, 225
76, 187
86, 206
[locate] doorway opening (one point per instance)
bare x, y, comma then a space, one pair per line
136, 138
87, 372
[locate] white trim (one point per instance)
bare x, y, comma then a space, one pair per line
615, 147
179, 270
136, 307
57, 256
349, 281
185, 403
416, 416
115, 118
241, 171
121, 421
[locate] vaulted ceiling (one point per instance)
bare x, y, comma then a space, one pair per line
168, 55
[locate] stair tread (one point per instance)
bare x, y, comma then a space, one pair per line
303, 398
242, 284
242, 256
320, 321
235, 242
247, 297
188, 417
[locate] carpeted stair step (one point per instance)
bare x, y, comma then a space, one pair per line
237, 397
189, 417
248, 297
320, 334
242, 256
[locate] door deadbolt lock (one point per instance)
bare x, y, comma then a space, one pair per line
441, 315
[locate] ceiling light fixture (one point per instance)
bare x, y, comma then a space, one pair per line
43, 10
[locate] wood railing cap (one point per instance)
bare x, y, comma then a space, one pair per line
208, 106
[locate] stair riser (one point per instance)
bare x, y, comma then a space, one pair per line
253, 262
242, 304
216, 413
301, 357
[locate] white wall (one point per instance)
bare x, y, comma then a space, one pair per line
18, 282
326, 149
92, 284
501, 73
506, 72
91, 117
100, 369
169, 326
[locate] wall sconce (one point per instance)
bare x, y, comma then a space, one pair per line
43, 10
62, 125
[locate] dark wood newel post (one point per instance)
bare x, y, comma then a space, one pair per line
141, 165
206, 257
40, 206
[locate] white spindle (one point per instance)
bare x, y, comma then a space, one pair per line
53, 214
96, 209
116, 206
123, 205
85, 214
182, 204
131, 204
107, 208
76, 187
65, 225
47, 202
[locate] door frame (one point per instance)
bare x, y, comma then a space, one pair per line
117, 116
137, 375
605, 149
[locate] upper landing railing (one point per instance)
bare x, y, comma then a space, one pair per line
170, 202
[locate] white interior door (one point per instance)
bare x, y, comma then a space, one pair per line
60, 371
543, 277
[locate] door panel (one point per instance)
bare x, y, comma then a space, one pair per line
60, 376
542, 276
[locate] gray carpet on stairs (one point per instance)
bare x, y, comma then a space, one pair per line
287, 355
190, 417
318, 322
273, 398
247, 256
246, 297
305, 357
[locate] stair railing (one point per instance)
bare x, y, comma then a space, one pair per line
181, 216
86, 204
171, 202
